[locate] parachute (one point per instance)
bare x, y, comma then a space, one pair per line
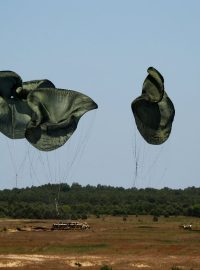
153, 111
46, 116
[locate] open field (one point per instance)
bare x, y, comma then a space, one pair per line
137, 243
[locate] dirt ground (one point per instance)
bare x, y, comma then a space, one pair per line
137, 243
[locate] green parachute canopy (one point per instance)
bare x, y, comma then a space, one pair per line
36, 110
153, 110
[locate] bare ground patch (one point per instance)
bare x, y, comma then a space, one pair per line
135, 244
95, 262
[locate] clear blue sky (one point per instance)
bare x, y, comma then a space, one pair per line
103, 49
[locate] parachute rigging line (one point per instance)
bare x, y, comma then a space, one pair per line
78, 144
32, 170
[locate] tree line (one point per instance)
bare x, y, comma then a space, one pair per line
76, 201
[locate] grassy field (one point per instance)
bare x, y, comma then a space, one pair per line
137, 243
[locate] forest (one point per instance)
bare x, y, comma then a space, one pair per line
74, 202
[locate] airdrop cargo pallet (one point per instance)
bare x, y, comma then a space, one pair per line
70, 226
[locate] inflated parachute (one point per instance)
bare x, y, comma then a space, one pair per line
153, 110
36, 110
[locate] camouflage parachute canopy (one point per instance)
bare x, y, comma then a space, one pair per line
36, 110
153, 110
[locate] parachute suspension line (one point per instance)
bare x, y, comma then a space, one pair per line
78, 150
153, 163
55, 170
18, 169
57, 180
12, 161
32, 170
163, 175
49, 168
141, 158
136, 154
168, 165
83, 141
22, 165
57, 177
57, 201
21, 168
57, 167
139, 155
73, 160
136, 159
87, 135
16, 179
45, 168
43, 165
79, 146
57, 209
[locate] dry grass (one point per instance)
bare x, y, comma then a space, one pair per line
138, 243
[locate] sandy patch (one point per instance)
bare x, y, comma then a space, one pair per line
27, 258
75, 263
14, 260
12, 230
11, 264
141, 265
94, 262
86, 261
